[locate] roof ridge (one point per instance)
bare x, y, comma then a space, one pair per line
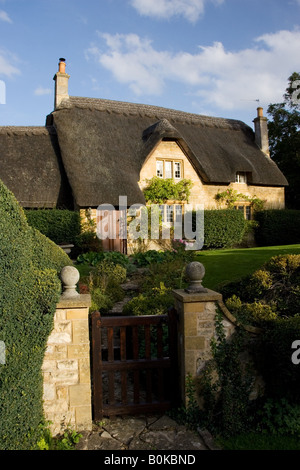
158, 112
28, 130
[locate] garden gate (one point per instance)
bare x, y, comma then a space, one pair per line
134, 363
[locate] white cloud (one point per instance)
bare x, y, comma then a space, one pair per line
7, 68
220, 77
40, 91
190, 9
4, 17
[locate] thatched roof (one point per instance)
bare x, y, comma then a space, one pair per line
104, 144
30, 166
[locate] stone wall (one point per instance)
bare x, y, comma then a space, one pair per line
66, 368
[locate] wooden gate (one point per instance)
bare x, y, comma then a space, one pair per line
134, 361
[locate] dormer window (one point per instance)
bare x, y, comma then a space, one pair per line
169, 169
241, 177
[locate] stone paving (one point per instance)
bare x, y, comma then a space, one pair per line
148, 433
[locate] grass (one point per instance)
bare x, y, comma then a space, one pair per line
222, 266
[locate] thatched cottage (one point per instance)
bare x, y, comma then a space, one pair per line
91, 151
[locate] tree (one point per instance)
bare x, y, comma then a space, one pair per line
284, 138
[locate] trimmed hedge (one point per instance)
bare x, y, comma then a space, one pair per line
60, 225
30, 289
277, 227
223, 228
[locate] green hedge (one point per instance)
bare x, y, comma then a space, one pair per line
30, 289
274, 358
61, 226
277, 227
223, 228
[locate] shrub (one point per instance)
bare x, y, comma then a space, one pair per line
277, 227
30, 289
273, 355
104, 285
61, 226
269, 292
223, 228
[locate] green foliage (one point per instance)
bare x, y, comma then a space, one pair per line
280, 417
277, 227
223, 228
67, 441
226, 385
30, 289
284, 139
104, 285
230, 196
273, 354
270, 292
155, 302
160, 190
93, 258
61, 226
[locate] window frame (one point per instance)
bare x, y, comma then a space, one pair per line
241, 175
172, 170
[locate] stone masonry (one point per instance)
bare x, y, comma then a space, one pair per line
66, 368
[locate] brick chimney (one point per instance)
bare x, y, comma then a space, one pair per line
261, 131
61, 79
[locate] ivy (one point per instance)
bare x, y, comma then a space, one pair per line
160, 190
231, 196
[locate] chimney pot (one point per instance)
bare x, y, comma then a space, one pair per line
260, 112
62, 65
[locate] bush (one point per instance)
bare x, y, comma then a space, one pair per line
30, 289
274, 358
105, 285
61, 226
277, 227
269, 292
223, 228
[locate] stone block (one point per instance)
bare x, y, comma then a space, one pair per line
78, 351
190, 324
195, 343
80, 395
83, 418
80, 332
77, 313
84, 371
194, 307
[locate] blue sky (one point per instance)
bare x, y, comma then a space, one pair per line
213, 57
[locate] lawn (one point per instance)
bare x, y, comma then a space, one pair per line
228, 265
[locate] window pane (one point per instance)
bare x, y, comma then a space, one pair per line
178, 213
162, 212
248, 212
159, 169
168, 169
169, 213
177, 170
241, 177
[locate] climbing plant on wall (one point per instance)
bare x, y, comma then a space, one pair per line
160, 190
230, 197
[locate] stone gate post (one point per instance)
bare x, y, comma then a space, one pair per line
196, 307
66, 367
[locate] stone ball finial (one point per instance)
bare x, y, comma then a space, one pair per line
195, 272
70, 277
